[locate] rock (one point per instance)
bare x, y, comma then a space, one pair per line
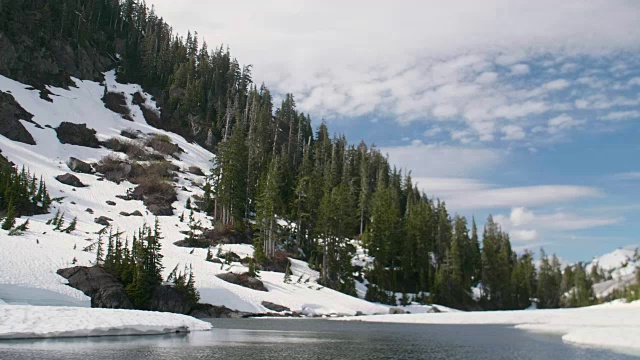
168, 299
70, 179
151, 116
103, 288
77, 134
138, 99
195, 171
10, 115
131, 133
275, 307
111, 203
89, 210
103, 220
207, 311
135, 213
396, 311
79, 166
118, 104
231, 256
359, 313
243, 280
124, 213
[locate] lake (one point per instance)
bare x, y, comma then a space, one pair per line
313, 339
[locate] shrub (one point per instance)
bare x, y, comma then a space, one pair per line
162, 144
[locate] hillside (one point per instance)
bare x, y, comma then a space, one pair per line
30, 261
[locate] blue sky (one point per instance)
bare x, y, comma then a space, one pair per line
526, 110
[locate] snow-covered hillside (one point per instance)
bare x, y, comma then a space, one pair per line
620, 268
29, 262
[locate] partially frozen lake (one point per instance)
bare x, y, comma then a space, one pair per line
314, 339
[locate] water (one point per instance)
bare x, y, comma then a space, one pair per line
249, 339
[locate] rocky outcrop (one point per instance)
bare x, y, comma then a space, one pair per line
103, 288
49, 63
169, 299
243, 280
118, 104
275, 307
103, 220
10, 115
77, 134
205, 311
195, 171
156, 197
71, 180
79, 166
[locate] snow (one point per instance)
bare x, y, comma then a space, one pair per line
29, 262
23, 322
613, 325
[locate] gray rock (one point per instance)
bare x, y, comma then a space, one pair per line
169, 299
117, 103
275, 307
208, 311
70, 179
89, 210
79, 166
77, 134
103, 288
243, 280
103, 220
111, 203
135, 213
195, 171
396, 311
10, 115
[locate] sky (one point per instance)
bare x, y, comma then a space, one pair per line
527, 110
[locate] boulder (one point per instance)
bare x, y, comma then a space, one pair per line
135, 213
79, 166
103, 220
10, 115
195, 171
243, 280
70, 179
168, 299
111, 203
396, 311
103, 288
89, 210
275, 307
117, 103
77, 134
208, 311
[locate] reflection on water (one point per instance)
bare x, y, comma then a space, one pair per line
312, 339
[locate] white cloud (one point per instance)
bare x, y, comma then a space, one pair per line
521, 216
622, 115
628, 176
513, 132
349, 59
447, 161
520, 69
523, 235
526, 225
521, 196
634, 81
561, 123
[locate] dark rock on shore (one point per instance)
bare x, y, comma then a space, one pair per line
103, 288
203, 311
275, 307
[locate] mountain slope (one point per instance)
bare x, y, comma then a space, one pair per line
30, 261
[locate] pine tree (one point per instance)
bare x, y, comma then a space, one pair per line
10, 218
72, 226
287, 273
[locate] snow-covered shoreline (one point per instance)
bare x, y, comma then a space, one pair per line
41, 322
613, 326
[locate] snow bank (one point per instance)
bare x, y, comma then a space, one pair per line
614, 325
27, 322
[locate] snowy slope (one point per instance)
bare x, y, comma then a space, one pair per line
621, 264
28, 263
